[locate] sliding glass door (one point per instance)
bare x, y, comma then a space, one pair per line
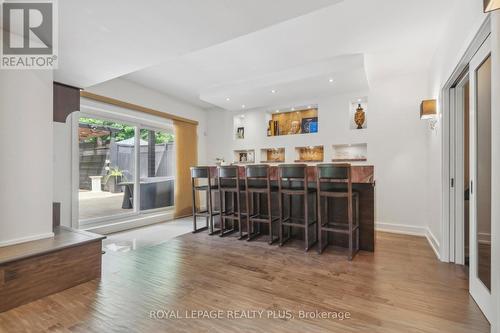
125, 169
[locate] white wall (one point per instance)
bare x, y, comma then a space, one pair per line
26, 150
395, 135
129, 92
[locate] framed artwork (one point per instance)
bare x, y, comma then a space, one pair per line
310, 125
240, 133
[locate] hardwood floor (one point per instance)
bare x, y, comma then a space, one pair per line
401, 287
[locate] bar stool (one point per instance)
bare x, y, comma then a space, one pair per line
201, 173
257, 181
334, 181
292, 181
229, 182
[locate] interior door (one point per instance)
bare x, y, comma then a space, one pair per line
480, 179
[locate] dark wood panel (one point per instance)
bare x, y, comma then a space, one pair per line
30, 279
63, 238
66, 101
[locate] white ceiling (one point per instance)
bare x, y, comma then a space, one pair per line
103, 39
208, 50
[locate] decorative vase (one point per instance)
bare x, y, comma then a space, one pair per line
359, 117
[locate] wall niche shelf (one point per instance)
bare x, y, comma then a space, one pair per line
357, 152
297, 121
309, 154
244, 156
272, 155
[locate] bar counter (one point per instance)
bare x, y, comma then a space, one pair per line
362, 181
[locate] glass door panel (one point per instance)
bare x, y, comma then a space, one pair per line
106, 168
157, 165
480, 179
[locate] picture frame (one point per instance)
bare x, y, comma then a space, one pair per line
240, 133
310, 125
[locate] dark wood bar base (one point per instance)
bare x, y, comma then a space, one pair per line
32, 270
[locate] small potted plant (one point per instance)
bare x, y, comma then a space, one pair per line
113, 178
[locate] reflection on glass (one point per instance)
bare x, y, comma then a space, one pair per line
156, 169
106, 163
483, 188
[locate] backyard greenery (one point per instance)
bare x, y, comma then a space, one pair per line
125, 132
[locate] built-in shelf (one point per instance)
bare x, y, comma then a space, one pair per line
357, 152
309, 154
295, 121
244, 156
272, 155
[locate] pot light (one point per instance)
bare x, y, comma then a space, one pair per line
293, 109
273, 91
277, 111
228, 99
243, 106
330, 80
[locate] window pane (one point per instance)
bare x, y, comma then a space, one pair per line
106, 168
156, 169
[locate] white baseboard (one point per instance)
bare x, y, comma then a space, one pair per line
26, 239
413, 231
433, 242
400, 229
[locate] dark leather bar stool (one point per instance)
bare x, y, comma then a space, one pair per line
202, 173
258, 183
229, 182
292, 181
334, 181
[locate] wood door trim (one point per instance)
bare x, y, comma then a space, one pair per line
135, 107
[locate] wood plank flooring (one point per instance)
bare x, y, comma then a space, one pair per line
401, 287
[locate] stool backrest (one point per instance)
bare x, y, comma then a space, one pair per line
257, 171
257, 176
200, 172
228, 176
334, 173
289, 173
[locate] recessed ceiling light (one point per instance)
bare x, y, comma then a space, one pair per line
228, 99
309, 107
243, 106
293, 109
277, 111
273, 91
242, 116
330, 80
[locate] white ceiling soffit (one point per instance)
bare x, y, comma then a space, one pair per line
347, 74
100, 40
395, 36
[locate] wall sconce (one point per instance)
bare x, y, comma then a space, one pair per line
428, 111
490, 5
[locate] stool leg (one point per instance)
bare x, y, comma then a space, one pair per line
350, 221
240, 226
357, 222
222, 204
194, 204
208, 208
247, 200
269, 216
320, 241
280, 221
306, 220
